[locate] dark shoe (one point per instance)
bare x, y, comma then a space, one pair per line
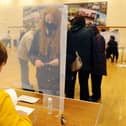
93, 99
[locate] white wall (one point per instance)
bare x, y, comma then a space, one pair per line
10, 17
115, 14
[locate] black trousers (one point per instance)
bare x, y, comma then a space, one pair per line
70, 83
96, 86
83, 80
114, 57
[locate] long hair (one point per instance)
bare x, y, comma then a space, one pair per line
55, 38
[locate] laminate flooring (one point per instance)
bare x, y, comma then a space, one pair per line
113, 88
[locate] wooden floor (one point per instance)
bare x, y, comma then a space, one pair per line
113, 89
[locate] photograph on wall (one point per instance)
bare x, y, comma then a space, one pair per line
94, 12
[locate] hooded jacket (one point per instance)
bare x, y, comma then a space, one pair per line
81, 38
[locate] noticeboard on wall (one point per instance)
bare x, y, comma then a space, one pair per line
94, 12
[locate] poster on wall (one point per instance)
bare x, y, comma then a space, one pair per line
94, 12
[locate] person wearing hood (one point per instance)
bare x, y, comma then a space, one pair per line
80, 39
99, 63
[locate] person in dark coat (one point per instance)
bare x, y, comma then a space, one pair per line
112, 49
81, 38
99, 64
70, 76
44, 52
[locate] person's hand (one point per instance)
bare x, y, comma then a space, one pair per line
54, 62
21, 112
39, 63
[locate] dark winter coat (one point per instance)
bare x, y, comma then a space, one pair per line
81, 39
99, 58
112, 48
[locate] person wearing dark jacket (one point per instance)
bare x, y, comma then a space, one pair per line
44, 52
112, 49
70, 76
99, 64
81, 38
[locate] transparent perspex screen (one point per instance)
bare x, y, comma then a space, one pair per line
35, 38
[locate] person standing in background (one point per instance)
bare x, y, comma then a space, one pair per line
112, 49
23, 56
99, 64
81, 38
45, 51
70, 76
8, 39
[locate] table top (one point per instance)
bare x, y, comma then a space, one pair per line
76, 112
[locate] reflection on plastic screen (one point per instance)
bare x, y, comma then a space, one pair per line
36, 43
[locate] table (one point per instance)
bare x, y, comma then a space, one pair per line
76, 112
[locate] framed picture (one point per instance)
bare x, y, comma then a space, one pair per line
94, 12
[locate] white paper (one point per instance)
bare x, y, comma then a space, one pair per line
12, 94
28, 99
24, 109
